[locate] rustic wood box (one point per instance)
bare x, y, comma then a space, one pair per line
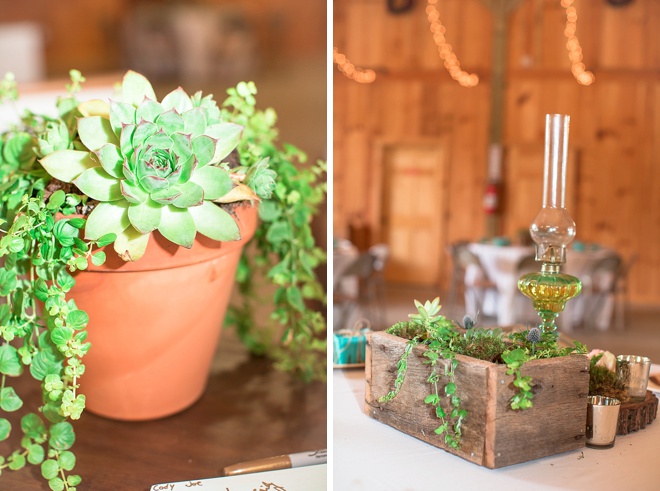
494, 435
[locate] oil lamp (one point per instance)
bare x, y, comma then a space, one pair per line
552, 230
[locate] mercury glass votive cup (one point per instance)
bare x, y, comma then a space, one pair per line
634, 372
602, 421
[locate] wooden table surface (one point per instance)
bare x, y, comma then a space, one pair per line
249, 411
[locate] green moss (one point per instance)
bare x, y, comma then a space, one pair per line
603, 382
483, 344
406, 330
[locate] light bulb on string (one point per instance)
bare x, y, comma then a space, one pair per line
578, 68
445, 49
363, 76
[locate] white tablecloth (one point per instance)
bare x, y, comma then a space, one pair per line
369, 455
500, 264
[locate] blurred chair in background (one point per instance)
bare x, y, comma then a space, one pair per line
346, 301
380, 253
621, 292
608, 291
369, 296
599, 288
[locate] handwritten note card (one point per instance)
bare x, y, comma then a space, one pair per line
310, 478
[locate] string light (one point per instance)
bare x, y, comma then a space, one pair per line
445, 49
578, 69
363, 76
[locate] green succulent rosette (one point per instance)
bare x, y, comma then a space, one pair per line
153, 166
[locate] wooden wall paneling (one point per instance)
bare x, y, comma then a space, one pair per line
356, 105
522, 114
614, 164
401, 40
525, 35
644, 282
357, 179
554, 54
83, 35
531, 97
599, 170
358, 101
469, 110
398, 116
623, 46
523, 186
339, 171
366, 38
651, 37
474, 46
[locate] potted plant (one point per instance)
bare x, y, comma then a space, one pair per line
98, 202
491, 397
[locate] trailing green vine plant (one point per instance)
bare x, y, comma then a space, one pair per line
39, 254
427, 326
283, 250
445, 338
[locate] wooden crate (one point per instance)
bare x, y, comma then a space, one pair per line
494, 435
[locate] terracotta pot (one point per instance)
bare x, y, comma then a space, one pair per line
155, 323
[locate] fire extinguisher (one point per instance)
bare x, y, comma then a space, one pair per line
491, 198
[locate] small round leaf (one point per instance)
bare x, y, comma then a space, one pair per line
62, 436
56, 484
9, 400
36, 454
5, 428
67, 460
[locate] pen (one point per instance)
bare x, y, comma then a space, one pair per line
279, 462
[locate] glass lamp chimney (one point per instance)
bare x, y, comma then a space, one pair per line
553, 228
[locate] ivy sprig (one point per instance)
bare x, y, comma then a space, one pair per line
452, 418
514, 360
401, 370
46, 330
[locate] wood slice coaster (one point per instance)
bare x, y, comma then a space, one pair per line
635, 416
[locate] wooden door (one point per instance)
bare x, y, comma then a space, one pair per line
413, 211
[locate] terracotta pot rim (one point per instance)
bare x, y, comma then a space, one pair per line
163, 254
